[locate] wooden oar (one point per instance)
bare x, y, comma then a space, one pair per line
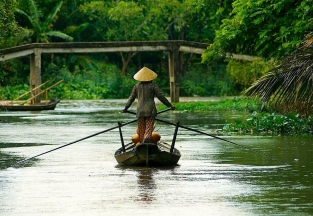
162, 111
201, 132
242, 146
87, 137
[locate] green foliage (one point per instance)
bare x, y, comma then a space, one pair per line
99, 80
8, 25
122, 13
121, 21
12, 92
42, 30
234, 104
271, 123
127, 20
288, 87
193, 20
100, 83
244, 73
14, 72
94, 20
264, 28
202, 80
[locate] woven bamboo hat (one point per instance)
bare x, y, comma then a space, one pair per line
145, 75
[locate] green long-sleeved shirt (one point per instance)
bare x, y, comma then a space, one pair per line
145, 92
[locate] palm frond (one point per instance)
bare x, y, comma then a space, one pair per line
34, 15
52, 15
33, 22
59, 34
290, 83
76, 30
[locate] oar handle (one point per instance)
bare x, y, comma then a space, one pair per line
130, 112
162, 111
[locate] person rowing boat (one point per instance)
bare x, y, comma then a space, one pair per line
145, 92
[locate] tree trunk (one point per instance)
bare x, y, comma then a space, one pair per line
125, 62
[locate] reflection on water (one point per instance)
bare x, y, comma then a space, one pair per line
213, 177
147, 185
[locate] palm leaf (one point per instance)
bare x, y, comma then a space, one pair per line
76, 30
52, 15
33, 22
290, 83
59, 35
35, 15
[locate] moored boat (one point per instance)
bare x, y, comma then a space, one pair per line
31, 107
30, 104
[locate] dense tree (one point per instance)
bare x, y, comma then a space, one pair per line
243, 73
8, 25
263, 28
272, 30
192, 20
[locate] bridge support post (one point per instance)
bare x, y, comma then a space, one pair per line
174, 71
35, 74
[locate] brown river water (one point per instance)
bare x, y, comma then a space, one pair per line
213, 177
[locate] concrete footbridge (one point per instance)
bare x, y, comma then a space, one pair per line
175, 49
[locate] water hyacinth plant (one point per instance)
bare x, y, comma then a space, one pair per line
274, 124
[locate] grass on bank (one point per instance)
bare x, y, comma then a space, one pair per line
258, 123
235, 104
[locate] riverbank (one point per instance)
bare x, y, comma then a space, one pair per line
260, 121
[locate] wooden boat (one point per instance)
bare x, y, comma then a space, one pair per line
31, 107
148, 154
29, 104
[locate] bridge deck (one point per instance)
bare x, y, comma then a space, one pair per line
96, 47
173, 47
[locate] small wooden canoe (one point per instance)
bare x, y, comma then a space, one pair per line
31, 107
148, 154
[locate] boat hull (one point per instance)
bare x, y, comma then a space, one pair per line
148, 154
32, 107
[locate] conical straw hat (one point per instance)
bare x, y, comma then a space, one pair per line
145, 75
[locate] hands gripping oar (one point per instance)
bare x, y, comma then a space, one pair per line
207, 134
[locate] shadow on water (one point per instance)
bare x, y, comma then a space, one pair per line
16, 145
9, 160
